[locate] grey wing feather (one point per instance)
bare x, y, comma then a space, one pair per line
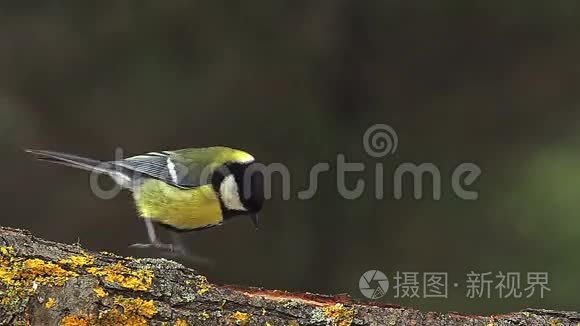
159, 166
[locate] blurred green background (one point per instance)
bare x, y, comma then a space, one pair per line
298, 82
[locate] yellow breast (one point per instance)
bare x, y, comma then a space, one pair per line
185, 209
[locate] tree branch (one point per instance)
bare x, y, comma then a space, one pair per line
48, 283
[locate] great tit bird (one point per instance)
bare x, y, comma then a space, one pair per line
186, 189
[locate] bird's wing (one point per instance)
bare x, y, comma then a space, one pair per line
184, 168
166, 167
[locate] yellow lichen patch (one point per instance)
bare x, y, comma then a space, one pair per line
241, 318
45, 273
127, 311
6, 251
555, 322
292, 323
203, 315
100, 292
77, 261
51, 302
75, 321
203, 285
138, 280
339, 314
137, 306
22, 276
180, 322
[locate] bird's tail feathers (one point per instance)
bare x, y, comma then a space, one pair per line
72, 160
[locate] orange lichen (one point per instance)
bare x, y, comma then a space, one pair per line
241, 318
134, 312
51, 302
136, 306
75, 321
180, 322
21, 276
339, 314
45, 273
138, 280
127, 311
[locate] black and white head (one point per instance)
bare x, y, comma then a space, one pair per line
240, 186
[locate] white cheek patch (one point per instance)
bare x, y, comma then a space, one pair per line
230, 195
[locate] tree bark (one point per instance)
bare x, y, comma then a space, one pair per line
48, 283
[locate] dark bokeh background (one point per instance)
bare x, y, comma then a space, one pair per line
297, 82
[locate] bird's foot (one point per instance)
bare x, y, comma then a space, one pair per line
177, 251
154, 245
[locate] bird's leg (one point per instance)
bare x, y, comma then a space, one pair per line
181, 251
178, 246
153, 240
174, 249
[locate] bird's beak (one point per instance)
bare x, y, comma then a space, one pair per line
254, 218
